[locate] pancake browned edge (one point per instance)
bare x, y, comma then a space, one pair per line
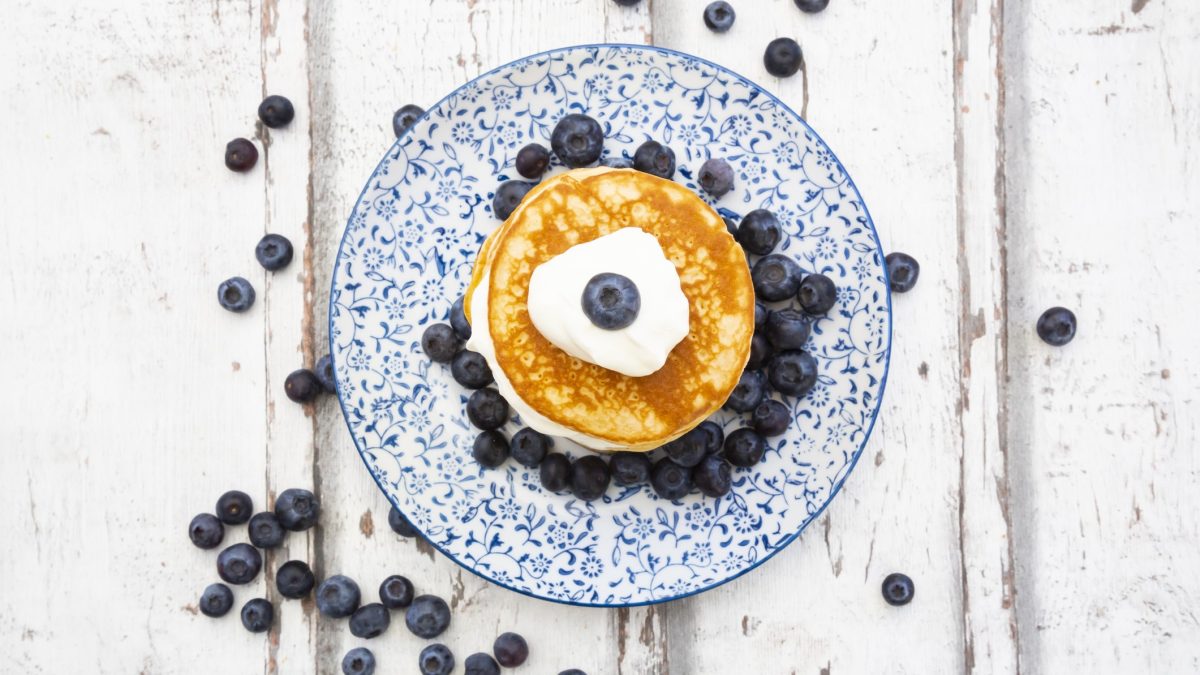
634, 413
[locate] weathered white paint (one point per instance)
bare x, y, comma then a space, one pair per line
1043, 500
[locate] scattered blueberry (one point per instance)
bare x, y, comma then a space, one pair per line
792, 372
902, 270
273, 252
471, 370
239, 564
240, 155
206, 531
358, 661
405, 117
629, 468
370, 621
655, 159
276, 111
508, 197
529, 447
297, 509
744, 447
618, 163
898, 589
428, 616
302, 386
436, 659
216, 600
760, 352
715, 176
401, 525
577, 139
490, 449
589, 478
669, 480
688, 449
265, 530
817, 294
788, 329
533, 160
487, 409
748, 392
759, 231
719, 16
730, 227
235, 294
338, 596
396, 592
812, 6
510, 649
776, 277
713, 476
783, 57
1056, 326
611, 301
627, 3
234, 507
481, 664
555, 472
324, 373
458, 319
294, 579
760, 316
771, 418
257, 615
572, 671
440, 342
714, 436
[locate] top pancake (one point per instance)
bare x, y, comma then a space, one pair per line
638, 413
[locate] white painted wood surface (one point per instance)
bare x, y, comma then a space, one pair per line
1028, 154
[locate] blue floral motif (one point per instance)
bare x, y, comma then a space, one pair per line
408, 251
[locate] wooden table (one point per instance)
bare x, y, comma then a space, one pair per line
1027, 153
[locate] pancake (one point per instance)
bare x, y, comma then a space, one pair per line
638, 413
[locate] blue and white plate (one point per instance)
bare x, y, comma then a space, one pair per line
407, 254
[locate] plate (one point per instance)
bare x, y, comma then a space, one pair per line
407, 253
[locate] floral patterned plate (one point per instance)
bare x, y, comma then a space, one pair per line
407, 254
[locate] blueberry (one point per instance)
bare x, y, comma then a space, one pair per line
716, 176
730, 227
508, 197
529, 447
265, 530
235, 294
239, 564
811, 6
629, 468
611, 301
440, 343
748, 392
276, 111
627, 3
458, 319
577, 139
369, 621
297, 509
358, 661
338, 597
655, 159
294, 579
240, 155
760, 316
688, 449
234, 507
792, 372
669, 480
510, 649
771, 418
902, 271
760, 352
487, 409
273, 252
396, 592
571, 671
401, 525
490, 449
436, 659
817, 294
405, 117
759, 231
713, 476
618, 163
776, 277
719, 16
783, 57
481, 664
1056, 326
257, 615
744, 447
302, 386
428, 616
787, 329
324, 372
206, 531
555, 472
533, 160
216, 600
898, 589
471, 370
589, 478
714, 436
